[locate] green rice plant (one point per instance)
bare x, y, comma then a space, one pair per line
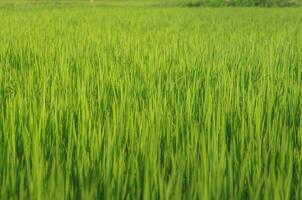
112, 102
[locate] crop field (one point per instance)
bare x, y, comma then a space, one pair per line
150, 102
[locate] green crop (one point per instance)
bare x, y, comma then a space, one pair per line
111, 102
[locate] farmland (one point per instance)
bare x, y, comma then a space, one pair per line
150, 102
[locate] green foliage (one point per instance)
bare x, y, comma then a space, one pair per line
150, 103
262, 3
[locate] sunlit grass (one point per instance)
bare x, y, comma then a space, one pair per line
150, 103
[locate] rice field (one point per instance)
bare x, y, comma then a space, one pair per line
150, 102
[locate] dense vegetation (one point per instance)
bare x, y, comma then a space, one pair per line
254, 3
150, 103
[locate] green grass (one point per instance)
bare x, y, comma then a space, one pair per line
150, 103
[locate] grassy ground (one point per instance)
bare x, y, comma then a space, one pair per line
150, 103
